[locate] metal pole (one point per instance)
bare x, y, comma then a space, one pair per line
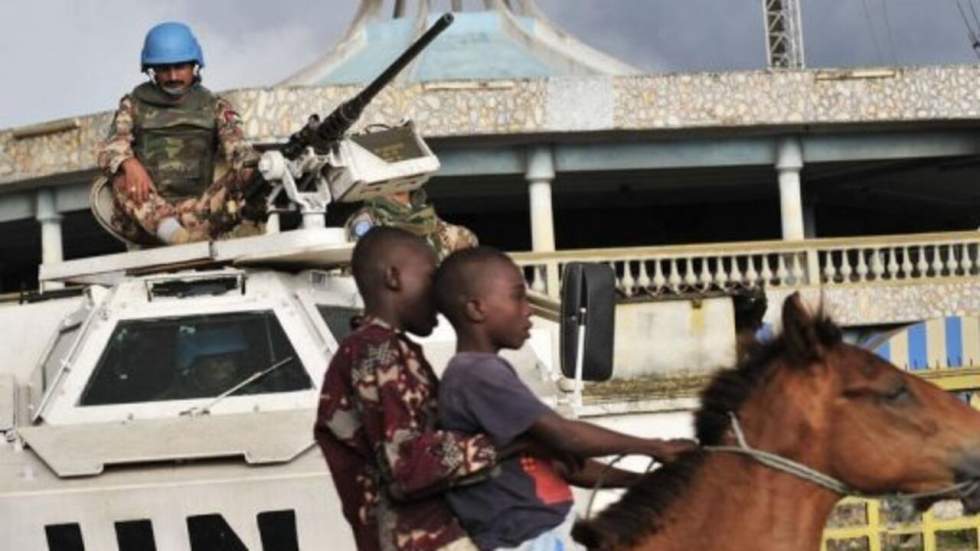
579, 361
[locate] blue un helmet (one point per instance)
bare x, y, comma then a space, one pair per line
210, 359
196, 343
169, 43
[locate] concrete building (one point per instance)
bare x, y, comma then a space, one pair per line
548, 144
857, 188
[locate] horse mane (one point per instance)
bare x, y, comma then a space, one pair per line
641, 510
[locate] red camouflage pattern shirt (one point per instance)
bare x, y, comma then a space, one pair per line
376, 425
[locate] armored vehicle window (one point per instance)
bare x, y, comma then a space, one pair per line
194, 357
338, 319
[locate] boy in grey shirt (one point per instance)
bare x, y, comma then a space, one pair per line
528, 503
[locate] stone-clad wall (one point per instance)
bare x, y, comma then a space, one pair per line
560, 105
798, 97
886, 303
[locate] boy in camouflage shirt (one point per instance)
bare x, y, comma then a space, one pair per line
376, 422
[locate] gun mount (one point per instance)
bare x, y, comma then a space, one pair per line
321, 164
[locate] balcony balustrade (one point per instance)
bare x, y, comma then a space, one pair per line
704, 268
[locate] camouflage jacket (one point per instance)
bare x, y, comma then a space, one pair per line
376, 425
118, 146
418, 217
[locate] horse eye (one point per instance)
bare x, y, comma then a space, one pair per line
898, 394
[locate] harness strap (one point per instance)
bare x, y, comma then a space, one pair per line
809, 474
799, 470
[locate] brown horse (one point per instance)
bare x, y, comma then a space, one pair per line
809, 397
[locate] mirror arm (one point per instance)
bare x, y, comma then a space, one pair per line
579, 361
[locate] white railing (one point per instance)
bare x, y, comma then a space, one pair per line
656, 271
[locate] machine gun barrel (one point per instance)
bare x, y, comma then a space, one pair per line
322, 135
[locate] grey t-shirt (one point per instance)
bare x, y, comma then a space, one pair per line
481, 392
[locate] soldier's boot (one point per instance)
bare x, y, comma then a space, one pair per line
171, 232
180, 237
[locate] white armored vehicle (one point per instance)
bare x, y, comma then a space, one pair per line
172, 410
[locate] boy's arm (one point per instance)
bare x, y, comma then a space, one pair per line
596, 474
588, 440
413, 460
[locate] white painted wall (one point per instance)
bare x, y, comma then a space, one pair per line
674, 337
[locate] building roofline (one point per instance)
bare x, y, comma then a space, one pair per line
727, 103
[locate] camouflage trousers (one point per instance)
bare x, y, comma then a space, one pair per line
215, 214
449, 238
443, 237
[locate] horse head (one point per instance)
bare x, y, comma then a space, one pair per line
840, 419
850, 414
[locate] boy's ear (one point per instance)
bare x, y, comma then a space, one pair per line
474, 310
392, 278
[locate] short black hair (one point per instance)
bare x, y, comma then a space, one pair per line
459, 277
374, 251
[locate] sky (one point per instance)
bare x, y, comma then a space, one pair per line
63, 58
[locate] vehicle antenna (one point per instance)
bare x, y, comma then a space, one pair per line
247, 381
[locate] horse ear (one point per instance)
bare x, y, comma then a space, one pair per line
799, 330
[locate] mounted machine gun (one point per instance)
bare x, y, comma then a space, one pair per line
321, 163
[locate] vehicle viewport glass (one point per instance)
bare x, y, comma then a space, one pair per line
151, 360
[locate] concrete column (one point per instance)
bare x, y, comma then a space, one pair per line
540, 173
46, 212
789, 162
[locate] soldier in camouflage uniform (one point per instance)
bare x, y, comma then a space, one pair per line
413, 213
163, 145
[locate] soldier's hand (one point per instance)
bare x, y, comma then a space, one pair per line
138, 182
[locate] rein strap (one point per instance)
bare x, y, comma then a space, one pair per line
797, 469
814, 476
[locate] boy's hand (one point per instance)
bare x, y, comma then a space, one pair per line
569, 463
667, 451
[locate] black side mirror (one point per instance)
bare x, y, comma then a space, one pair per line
588, 287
